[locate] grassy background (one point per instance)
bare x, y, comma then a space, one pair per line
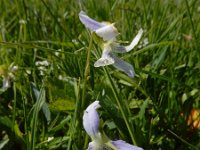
43, 108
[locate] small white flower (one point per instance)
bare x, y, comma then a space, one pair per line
22, 21
42, 66
42, 63
146, 41
50, 139
108, 33
57, 53
28, 71
75, 41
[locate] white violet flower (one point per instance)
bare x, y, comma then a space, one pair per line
108, 33
100, 141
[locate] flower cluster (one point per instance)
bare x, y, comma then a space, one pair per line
108, 33
99, 140
42, 66
91, 121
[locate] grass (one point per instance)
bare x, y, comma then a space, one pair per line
43, 107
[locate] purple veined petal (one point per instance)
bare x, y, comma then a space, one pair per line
91, 119
135, 41
123, 66
89, 23
106, 58
122, 145
108, 32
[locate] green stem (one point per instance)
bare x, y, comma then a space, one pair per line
82, 103
86, 73
73, 124
14, 108
114, 90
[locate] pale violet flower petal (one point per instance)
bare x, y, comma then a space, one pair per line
123, 66
91, 119
105, 59
108, 32
89, 22
135, 41
122, 145
90, 147
102, 29
104, 62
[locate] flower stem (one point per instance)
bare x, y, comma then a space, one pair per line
114, 90
86, 73
80, 105
76, 112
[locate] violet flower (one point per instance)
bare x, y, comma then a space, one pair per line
108, 33
99, 140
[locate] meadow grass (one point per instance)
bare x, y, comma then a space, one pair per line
56, 79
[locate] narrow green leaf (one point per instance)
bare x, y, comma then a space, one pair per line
46, 112
37, 107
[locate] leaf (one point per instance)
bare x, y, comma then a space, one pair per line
61, 124
143, 108
35, 91
159, 58
5, 121
46, 112
4, 141
6, 124
45, 108
3, 70
62, 105
36, 108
